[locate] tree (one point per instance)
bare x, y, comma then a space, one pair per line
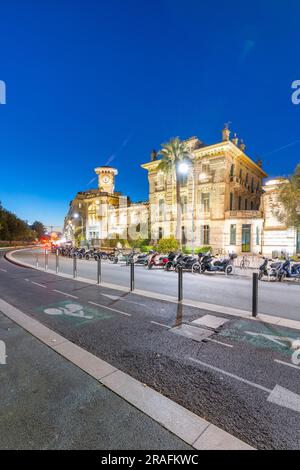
289, 199
39, 228
173, 153
14, 229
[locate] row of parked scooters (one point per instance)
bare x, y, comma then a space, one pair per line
278, 270
173, 261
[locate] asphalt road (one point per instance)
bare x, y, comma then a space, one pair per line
231, 378
279, 299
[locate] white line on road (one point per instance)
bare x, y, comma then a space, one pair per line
3, 270
279, 395
39, 285
65, 293
109, 308
287, 364
160, 324
229, 374
218, 342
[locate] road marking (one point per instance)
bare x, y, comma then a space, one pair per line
276, 339
218, 342
160, 324
72, 310
109, 308
279, 395
229, 374
287, 364
39, 285
65, 293
3, 270
121, 299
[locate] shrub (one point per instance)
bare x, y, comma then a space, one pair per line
165, 245
187, 250
146, 248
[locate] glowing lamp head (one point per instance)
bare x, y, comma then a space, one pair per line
183, 168
76, 216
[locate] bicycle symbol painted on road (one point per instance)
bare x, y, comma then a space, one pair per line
70, 310
73, 310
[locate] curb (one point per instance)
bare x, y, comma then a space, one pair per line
184, 424
245, 314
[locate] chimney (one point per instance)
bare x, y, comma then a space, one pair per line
259, 163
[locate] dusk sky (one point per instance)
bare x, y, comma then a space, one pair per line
97, 82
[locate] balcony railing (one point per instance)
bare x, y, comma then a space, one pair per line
243, 214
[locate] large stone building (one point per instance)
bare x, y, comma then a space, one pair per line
224, 204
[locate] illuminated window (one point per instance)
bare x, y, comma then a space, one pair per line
233, 234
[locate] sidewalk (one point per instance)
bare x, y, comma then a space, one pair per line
49, 403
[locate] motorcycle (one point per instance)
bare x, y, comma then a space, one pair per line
269, 270
209, 263
289, 270
171, 263
100, 255
157, 260
187, 262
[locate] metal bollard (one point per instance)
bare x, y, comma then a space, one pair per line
254, 294
132, 276
57, 262
99, 270
74, 267
180, 283
46, 260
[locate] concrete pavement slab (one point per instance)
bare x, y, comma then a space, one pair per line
211, 321
91, 364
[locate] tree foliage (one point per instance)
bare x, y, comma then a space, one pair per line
173, 153
14, 229
289, 199
39, 228
166, 245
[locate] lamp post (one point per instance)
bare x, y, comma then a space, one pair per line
77, 216
184, 168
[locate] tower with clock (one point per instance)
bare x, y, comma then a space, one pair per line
106, 178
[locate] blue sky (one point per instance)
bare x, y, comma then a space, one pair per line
95, 81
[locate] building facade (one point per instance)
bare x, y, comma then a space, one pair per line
224, 204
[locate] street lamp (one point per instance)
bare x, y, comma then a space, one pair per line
77, 216
184, 169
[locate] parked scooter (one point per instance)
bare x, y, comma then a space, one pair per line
187, 262
271, 271
157, 260
210, 264
289, 270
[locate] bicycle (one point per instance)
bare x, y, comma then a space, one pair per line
245, 262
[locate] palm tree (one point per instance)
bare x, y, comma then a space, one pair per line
173, 153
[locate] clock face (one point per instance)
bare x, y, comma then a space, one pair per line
106, 179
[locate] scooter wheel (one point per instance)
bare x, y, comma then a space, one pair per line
195, 268
87, 257
281, 277
201, 269
228, 270
150, 266
260, 276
